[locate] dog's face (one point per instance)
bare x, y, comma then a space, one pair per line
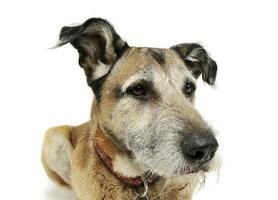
145, 98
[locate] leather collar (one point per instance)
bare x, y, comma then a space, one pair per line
107, 160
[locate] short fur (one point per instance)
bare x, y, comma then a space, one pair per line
139, 134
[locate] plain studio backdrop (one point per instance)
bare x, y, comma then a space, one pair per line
41, 88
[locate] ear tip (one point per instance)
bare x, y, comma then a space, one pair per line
213, 66
210, 76
64, 32
68, 34
211, 81
57, 45
62, 41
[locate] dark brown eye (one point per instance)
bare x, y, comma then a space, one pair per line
189, 88
138, 90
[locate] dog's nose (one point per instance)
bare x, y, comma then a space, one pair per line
199, 148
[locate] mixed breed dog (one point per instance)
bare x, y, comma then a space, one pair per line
145, 139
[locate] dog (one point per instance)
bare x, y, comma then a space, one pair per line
145, 139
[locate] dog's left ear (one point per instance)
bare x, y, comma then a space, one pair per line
98, 45
197, 60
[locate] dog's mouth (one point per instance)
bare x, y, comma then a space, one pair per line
201, 168
193, 169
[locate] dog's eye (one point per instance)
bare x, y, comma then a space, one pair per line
137, 90
189, 88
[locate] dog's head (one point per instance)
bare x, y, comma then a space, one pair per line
145, 97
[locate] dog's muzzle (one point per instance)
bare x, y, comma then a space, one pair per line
199, 148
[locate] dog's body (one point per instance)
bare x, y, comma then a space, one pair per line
144, 139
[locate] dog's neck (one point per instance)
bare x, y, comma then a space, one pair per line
108, 153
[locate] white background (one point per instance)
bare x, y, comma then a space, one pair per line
40, 88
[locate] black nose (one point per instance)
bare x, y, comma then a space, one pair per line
199, 148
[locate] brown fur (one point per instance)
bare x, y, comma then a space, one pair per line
91, 179
69, 156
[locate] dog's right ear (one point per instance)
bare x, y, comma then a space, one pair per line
98, 45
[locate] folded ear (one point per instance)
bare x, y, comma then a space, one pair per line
98, 45
197, 60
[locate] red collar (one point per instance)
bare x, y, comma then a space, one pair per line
98, 140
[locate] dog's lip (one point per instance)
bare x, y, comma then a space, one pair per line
203, 168
195, 171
